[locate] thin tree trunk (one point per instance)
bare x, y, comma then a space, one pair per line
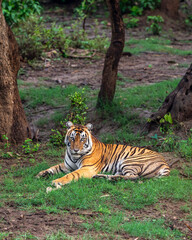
109, 76
178, 102
13, 122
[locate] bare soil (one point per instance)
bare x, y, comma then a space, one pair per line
88, 71
40, 223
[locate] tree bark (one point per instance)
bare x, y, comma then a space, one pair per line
13, 122
178, 102
170, 8
109, 76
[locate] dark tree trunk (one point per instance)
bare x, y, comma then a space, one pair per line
13, 122
109, 76
170, 8
178, 102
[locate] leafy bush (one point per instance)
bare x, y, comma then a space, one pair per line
5, 140
188, 21
155, 28
78, 108
131, 22
77, 115
33, 37
79, 37
149, 4
30, 147
86, 8
57, 138
17, 10
184, 147
136, 11
186, 8
135, 8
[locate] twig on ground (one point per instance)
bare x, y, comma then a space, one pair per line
188, 226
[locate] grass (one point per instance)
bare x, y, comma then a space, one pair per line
124, 114
25, 190
125, 105
45, 95
151, 229
154, 44
109, 199
148, 96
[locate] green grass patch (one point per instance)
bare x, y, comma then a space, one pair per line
149, 228
27, 191
154, 44
54, 152
146, 97
41, 122
52, 96
108, 199
3, 235
123, 112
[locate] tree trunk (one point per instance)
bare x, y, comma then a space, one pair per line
109, 76
178, 102
170, 8
13, 122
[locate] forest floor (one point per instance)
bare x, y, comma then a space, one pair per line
146, 68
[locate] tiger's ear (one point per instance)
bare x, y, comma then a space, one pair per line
69, 124
89, 126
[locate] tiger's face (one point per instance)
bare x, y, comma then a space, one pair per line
78, 139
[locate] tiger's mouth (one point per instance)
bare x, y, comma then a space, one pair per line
76, 154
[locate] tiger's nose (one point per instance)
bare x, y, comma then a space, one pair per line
76, 150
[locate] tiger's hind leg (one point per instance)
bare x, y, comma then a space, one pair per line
125, 172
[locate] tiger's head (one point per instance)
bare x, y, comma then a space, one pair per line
78, 139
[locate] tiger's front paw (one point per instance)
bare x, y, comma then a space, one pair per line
44, 173
57, 183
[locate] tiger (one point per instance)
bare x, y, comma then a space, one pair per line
87, 157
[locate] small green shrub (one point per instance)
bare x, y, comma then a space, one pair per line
78, 109
150, 4
17, 10
155, 28
131, 22
136, 11
77, 115
5, 139
57, 137
166, 123
86, 8
186, 8
135, 8
33, 37
79, 38
184, 147
188, 21
29, 147
169, 141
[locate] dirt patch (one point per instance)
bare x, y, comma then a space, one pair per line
40, 223
147, 68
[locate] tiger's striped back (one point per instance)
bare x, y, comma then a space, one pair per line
128, 161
